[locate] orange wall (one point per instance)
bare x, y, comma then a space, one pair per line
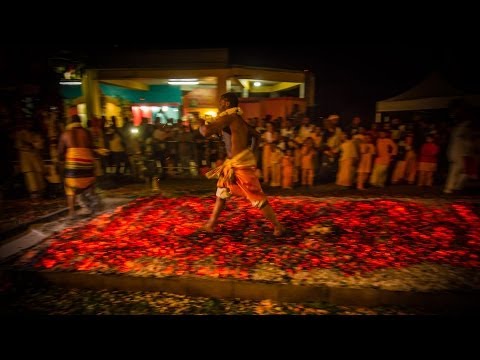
273, 106
250, 109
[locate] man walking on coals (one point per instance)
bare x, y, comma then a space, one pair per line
236, 176
76, 151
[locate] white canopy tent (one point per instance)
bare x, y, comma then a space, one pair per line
432, 93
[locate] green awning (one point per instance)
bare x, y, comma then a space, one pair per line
156, 94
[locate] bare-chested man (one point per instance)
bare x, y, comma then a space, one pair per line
77, 150
237, 174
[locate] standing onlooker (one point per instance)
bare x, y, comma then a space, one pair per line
427, 164
268, 137
386, 148
29, 143
460, 146
117, 146
276, 161
367, 151
406, 166
287, 169
348, 157
308, 166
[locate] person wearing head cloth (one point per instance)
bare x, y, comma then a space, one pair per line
237, 176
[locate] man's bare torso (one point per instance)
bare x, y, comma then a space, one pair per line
75, 138
239, 131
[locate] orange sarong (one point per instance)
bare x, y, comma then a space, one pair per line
237, 177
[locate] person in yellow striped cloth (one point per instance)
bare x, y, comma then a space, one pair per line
76, 150
236, 176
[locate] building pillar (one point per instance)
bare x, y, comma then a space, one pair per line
309, 88
92, 93
302, 91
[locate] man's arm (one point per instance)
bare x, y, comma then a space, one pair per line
216, 125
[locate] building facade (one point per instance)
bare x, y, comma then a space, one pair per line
179, 84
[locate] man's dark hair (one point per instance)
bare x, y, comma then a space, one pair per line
76, 118
231, 98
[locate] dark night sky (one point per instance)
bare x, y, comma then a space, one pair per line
350, 78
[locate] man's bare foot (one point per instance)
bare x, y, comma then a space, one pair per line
84, 212
71, 219
278, 230
208, 228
